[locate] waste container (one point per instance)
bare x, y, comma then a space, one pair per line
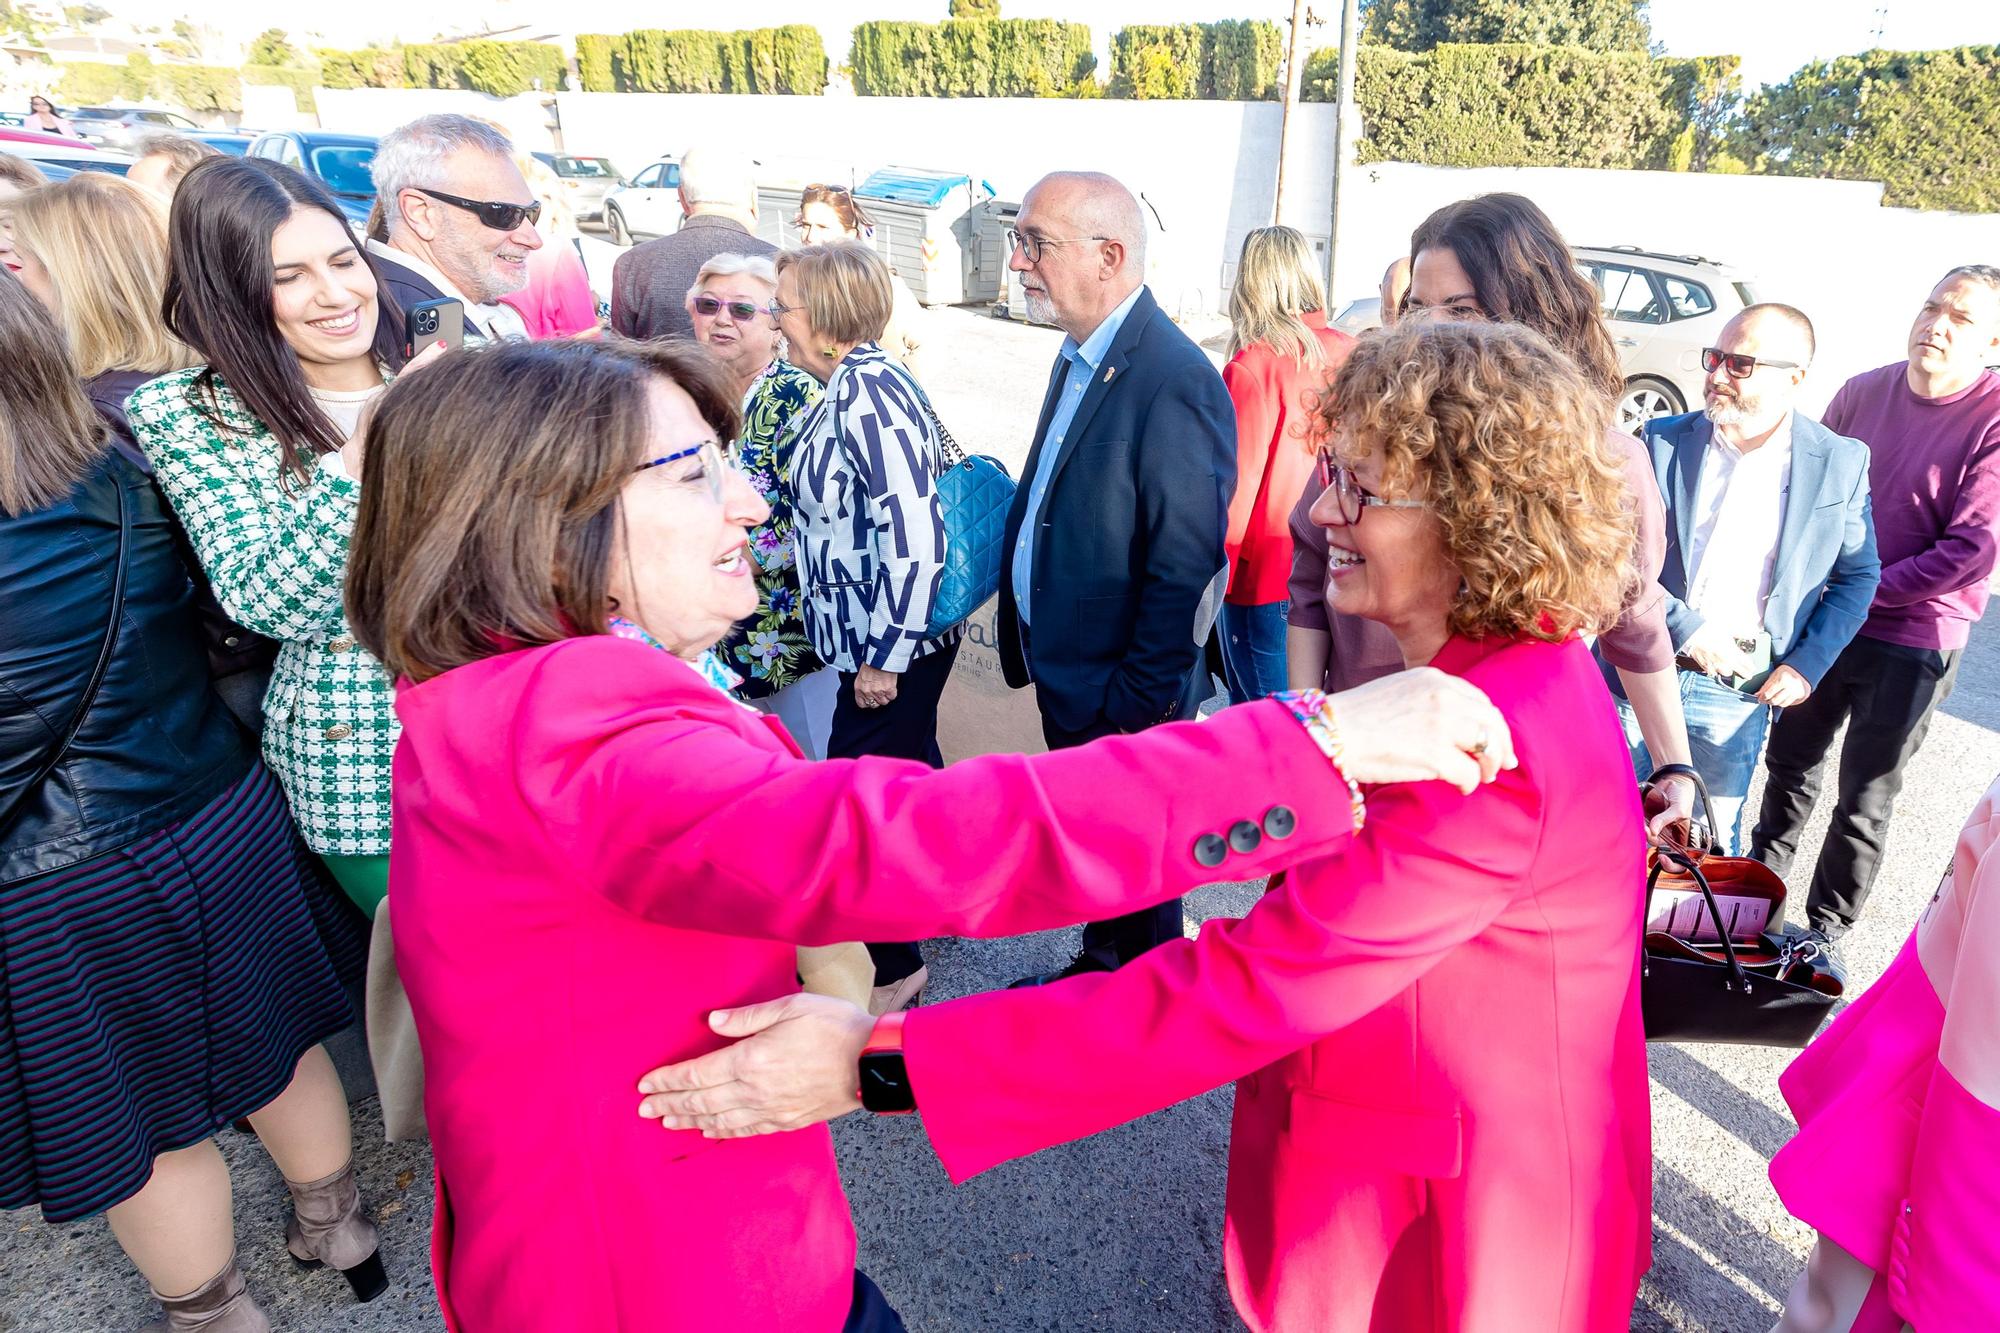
925, 228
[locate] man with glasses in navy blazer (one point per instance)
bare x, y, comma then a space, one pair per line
1113, 571
1771, 562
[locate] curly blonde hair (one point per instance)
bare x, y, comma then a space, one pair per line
1504, 438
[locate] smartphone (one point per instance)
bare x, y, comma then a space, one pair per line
427, 321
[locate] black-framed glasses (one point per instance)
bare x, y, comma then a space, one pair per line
714, 467
1033, 246
740, 311
1741, 367
499, 216
1350, 496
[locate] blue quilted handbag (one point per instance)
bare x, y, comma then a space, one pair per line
974, 495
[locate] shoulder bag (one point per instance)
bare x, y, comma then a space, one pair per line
68, 737
1719, 975
974, 495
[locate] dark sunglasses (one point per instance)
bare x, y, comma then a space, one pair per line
1741, 367
500, 217
740, 311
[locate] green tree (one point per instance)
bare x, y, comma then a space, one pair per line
85, 16
1921, 122
1419, 25
975, 9
272, 46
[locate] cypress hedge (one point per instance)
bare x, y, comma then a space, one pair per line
1236, 60
972, 58
500, 69
1924, 123
791, 59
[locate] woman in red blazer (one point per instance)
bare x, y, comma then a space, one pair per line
593, 842
1441, 1120
1282, 358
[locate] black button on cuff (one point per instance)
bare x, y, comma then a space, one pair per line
1280, 822
1245, 836
1210, 850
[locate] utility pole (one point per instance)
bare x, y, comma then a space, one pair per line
1295, 73
1346, 128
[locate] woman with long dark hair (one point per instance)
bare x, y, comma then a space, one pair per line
171, 958
1498, 258
259, 453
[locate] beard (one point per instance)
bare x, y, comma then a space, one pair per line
1740, 410
1040, 309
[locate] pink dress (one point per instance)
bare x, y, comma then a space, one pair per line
1441, 1121
1897, 1158
593, 847
557, 302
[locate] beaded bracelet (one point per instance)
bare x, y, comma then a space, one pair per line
1314, 711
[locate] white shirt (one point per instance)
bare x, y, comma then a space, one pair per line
496, 321
1739, 512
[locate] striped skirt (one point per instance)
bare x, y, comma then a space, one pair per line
150, 995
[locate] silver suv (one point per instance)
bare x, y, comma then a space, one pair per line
1662, 310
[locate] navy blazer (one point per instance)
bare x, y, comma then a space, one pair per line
1129, 568
407, 287
1826, 569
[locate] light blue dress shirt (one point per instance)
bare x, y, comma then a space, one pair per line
1084, 361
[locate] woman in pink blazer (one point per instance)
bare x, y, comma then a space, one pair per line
1441, 1119
1898, 1102
594, 843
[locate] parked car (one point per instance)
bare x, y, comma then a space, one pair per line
12, 118
57, 156
585, 181
222, 141
648, 205
118, 126
1661, 309
339, 161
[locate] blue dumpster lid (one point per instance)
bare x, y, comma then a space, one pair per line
908, 185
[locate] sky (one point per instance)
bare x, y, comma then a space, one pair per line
1774, 37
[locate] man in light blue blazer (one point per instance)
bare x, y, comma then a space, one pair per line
1771, 563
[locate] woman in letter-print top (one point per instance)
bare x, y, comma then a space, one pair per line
869, 531
275, 549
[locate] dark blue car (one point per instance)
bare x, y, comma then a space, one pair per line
339, 161
236, 145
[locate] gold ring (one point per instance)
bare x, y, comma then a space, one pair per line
1478, 749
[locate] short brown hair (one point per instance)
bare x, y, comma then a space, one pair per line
184, 153
489, 495
845, 289
20, 171
1504, 436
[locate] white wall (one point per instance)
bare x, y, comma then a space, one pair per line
1209, 169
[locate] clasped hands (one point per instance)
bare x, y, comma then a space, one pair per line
796, 1064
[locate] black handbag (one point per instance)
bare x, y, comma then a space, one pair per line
1772, 989
21, 797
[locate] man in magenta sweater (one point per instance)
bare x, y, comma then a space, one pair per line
1932, 425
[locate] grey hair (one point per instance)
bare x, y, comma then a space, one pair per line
1981, 273
718, 178
185, 153
759, 267
414, 156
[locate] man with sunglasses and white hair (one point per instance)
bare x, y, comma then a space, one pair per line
1770, 562
1932, 425
461, 221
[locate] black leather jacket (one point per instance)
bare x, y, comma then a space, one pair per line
157, 744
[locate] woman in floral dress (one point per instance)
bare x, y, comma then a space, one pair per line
770, 650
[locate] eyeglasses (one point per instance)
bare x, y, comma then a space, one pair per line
1349, 494
740, 311
778, 308
714, 467
1741, 367
1033, 246
500, 217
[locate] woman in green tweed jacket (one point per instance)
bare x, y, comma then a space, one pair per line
258, 452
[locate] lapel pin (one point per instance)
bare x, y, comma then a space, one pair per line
1109, 372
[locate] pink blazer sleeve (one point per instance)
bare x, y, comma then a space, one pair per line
767, 844
1010, 1072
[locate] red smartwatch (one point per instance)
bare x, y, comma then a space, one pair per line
885, 1082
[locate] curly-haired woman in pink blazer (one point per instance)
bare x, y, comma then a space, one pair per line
1441, 1114
594, 842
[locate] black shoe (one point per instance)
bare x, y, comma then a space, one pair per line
1078, 966
1829, 960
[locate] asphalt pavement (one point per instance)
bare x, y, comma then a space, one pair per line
1119, 1233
